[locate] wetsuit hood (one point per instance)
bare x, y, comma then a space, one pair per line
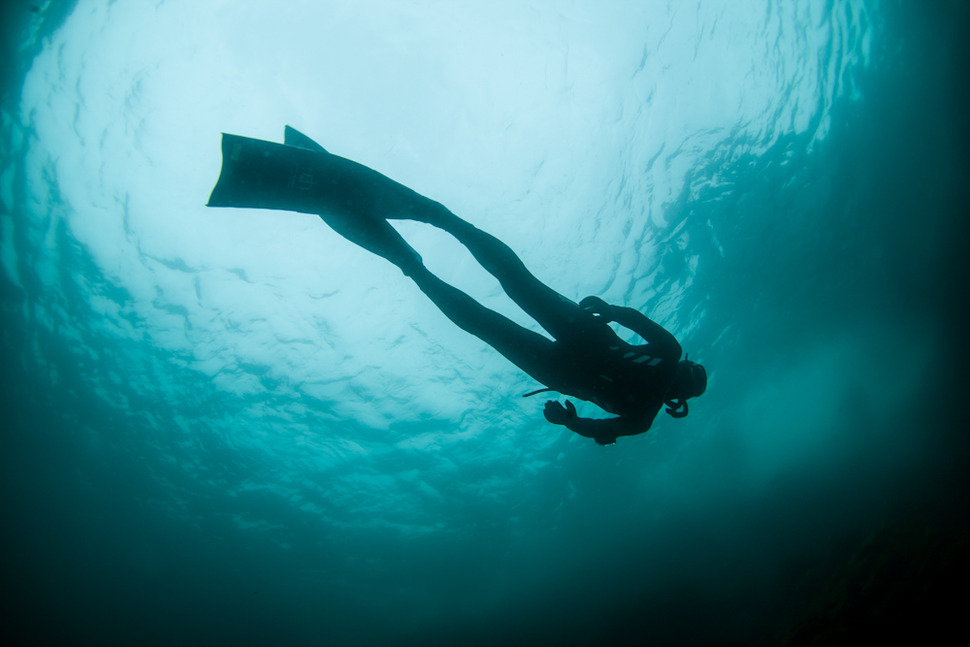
690, 381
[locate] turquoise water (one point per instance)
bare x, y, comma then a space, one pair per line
234, 427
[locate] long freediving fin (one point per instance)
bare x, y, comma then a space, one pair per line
263, 175
301, 176
293, 137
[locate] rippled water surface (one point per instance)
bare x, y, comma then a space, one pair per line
233, 426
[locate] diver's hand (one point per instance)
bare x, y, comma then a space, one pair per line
558, 414
598, 307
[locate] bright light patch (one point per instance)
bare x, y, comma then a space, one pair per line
567, 131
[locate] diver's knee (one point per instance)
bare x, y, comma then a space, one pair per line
410, 262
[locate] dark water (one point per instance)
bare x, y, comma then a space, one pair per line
234, 428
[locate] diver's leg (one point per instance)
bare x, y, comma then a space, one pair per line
562, 318
530, 351
376, 236
536, 355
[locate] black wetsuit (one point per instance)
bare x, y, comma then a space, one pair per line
587, 359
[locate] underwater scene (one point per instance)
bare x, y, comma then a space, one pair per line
234, 426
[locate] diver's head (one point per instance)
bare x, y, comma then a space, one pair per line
690, 381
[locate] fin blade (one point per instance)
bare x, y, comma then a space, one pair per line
293, 137
263, 175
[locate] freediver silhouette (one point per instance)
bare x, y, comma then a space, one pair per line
587, 360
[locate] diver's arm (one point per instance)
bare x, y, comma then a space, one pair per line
603, 431
662, 342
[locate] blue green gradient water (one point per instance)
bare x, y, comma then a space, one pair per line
233, 427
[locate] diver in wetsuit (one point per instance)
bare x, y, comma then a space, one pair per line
587, 360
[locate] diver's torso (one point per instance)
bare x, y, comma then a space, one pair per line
620, 378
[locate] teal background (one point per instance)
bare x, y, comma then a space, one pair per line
234, 427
